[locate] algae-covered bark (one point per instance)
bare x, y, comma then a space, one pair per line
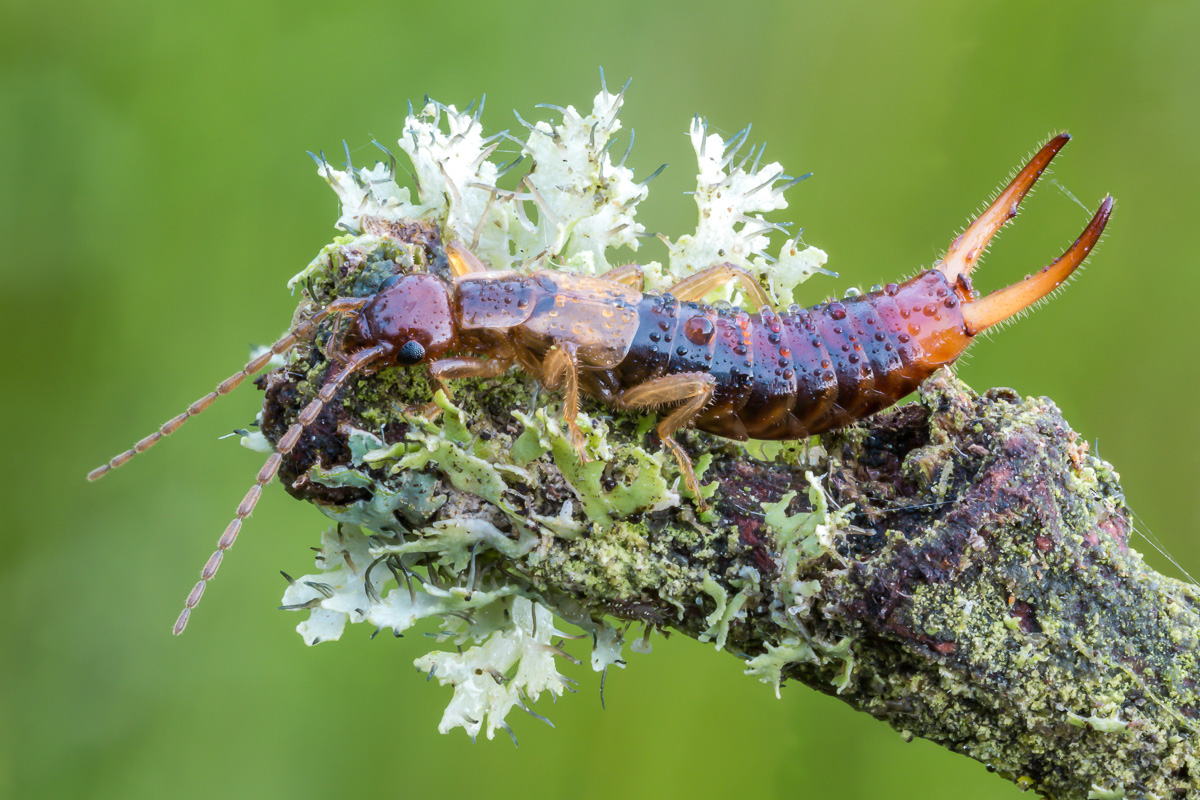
958, 567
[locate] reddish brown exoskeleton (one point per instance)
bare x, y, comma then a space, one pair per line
730, 372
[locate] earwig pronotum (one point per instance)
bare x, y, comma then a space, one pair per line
736, 374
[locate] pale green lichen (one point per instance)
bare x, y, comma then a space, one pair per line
802, 539
349, 585
515, 663
769, 666
1102, 724
607, 487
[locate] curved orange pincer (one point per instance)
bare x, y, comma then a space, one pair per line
964, 253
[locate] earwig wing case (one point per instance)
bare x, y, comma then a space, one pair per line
599, 316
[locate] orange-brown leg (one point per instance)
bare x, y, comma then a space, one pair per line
559, 367
693, 390
694, 287
335, 349
628, 274
446, 369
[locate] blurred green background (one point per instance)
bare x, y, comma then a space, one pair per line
155, 196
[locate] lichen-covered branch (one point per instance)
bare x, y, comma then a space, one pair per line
958, 567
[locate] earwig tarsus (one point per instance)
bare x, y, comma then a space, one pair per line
736, 374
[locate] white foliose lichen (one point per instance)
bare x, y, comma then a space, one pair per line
731, 199
584, 204
570, 210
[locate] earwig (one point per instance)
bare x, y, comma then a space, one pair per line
723, 370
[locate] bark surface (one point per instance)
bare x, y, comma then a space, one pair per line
958, 567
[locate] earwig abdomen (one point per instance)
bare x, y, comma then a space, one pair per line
882, 345
804, 371
817, 386
653, 341
717, 343
774, 393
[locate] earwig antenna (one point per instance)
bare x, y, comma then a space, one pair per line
225, 387
271, 467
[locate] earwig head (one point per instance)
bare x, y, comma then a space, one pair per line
413, 315
408, 321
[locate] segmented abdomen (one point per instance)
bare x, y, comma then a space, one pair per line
803, 371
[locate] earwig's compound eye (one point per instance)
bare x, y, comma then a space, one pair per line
411, 353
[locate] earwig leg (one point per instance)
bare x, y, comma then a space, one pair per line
269, 470
463, 261
561, 365
629, 274
450, 368
1003, 303
446, 369
225, 387
695, 287
339, 310
694, 390
965, 251
340, 306
334, 347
